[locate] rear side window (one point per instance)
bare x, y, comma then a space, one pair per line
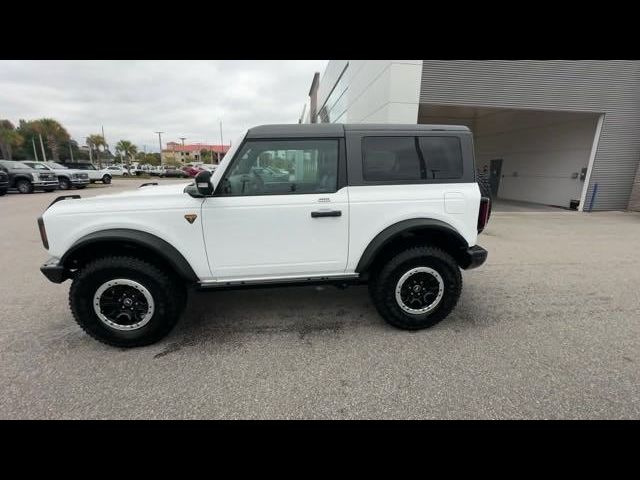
391, 158
411, 159
443, 156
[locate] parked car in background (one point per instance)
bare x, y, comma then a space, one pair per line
25, 179
95, 174
67, 177
192, 171
172, 172
156, 171
118, 171
209, 167
4, 182
141, 169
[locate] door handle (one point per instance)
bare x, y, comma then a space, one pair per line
326, 213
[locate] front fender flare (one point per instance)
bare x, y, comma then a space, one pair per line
158, 246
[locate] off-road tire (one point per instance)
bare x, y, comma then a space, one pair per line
106, 179
484, 184
165, 290
485, 188
24, 186
383, 284
64, 183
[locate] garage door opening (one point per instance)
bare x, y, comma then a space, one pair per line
533, 156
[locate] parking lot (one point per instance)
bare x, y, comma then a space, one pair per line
549, 327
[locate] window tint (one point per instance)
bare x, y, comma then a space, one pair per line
391, 158
265, 167
443, 156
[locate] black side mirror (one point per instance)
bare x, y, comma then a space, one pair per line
203, 183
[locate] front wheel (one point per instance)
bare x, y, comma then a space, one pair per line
124, 301
64, 183
106, 179
417, 288
24, 186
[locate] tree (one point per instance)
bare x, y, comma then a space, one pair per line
128, 149
9, 138
54, 133
94, 142
152, 158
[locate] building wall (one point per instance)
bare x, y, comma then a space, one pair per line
542, 152
634, 202
609, 87
370, 91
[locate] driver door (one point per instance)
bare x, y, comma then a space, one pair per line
278, 211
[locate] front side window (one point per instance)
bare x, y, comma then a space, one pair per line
267, 167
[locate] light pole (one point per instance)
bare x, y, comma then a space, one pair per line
221, 141
44, 155
160, 143
35, 152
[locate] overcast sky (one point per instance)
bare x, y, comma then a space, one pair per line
133, 99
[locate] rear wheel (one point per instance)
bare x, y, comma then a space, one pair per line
106, 179
125, 302
24, 186
417, 288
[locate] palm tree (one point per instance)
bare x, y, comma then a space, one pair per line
94, 142
9, 138
53, 132
128, 149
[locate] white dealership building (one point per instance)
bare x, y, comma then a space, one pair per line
548, 132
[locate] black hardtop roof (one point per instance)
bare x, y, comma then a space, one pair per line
338, 129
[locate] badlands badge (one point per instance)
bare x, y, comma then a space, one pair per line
191, 217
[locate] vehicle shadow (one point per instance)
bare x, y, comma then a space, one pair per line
231, 317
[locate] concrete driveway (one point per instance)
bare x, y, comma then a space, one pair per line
549, 327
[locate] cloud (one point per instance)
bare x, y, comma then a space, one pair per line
133, 99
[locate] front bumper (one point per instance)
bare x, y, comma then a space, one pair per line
55, 272
473, 257
79, 181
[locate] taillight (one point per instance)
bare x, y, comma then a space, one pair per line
483, 214
43, 233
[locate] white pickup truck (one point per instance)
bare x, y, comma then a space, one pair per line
395, 206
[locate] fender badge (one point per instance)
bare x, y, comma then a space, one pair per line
191, 217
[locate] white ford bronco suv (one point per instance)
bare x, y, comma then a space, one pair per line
396, 206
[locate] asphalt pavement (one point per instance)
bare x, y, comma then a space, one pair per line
549, 327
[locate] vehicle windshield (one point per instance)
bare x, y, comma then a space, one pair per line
36, 166
55, 165
15, 165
